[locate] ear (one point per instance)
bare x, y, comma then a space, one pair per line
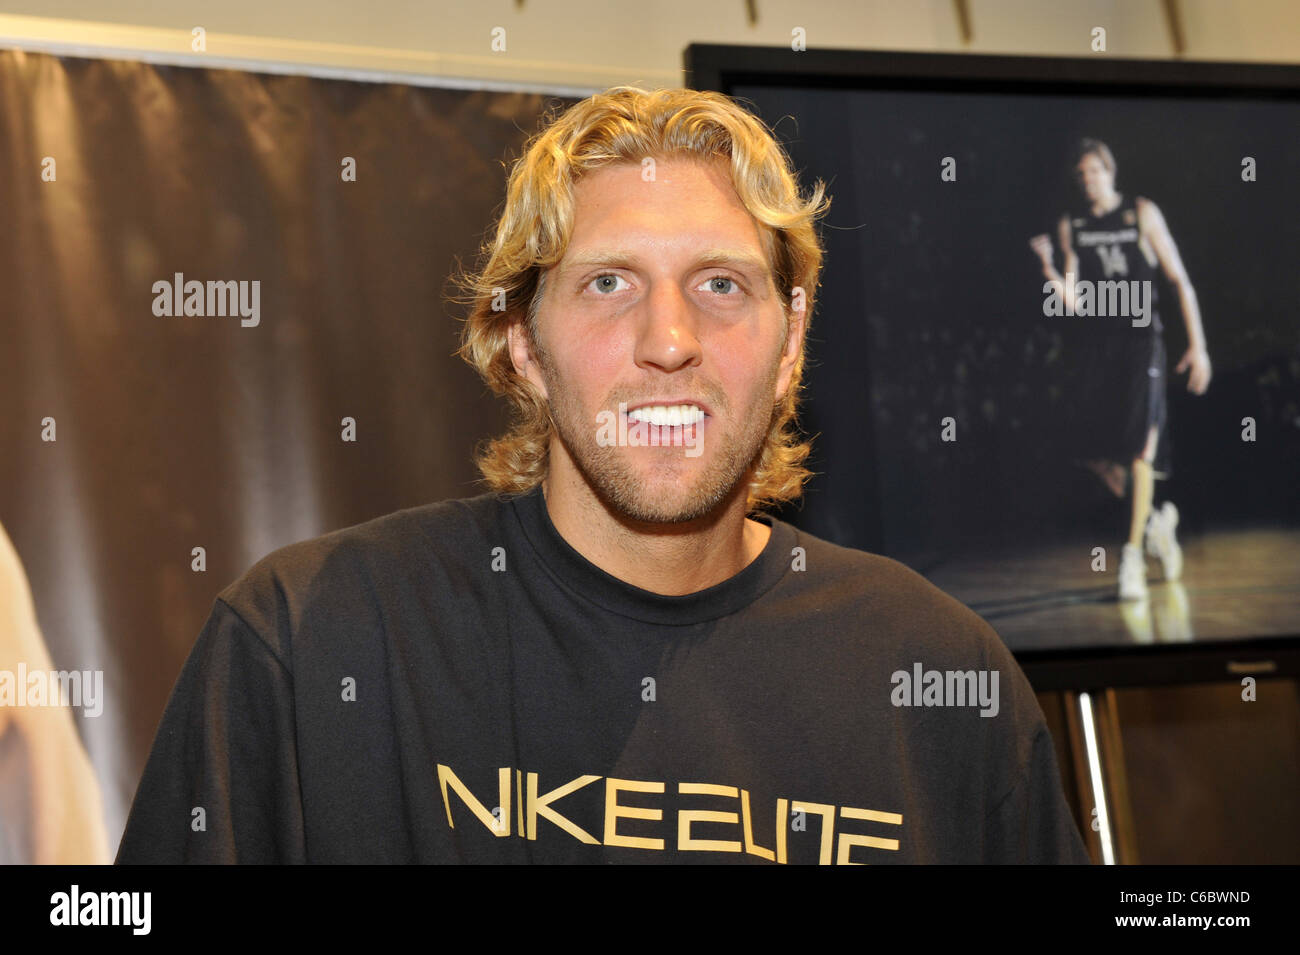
523, 358
796, 324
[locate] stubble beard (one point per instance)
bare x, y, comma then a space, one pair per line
663, 486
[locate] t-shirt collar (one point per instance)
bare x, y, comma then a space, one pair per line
588, 582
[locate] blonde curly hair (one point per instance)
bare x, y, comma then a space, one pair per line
628, 124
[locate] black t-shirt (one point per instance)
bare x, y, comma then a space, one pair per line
455, 683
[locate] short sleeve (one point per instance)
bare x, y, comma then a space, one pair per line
1032, 824
221, 782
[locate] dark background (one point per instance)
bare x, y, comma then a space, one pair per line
932, 307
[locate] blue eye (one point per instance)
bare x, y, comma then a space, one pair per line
605, 279
722, 278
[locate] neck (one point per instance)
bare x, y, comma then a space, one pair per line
1106, 204
667, 559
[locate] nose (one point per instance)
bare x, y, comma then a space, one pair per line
668, 339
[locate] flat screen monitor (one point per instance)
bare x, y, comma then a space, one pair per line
1052, 288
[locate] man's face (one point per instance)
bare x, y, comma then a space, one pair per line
664, 297
1094, 177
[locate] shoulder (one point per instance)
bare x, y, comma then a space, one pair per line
342, 574
883, 623
906, 613
1148, 212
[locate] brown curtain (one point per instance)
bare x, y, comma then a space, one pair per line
184, 431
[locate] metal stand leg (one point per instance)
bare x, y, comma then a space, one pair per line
1093, 724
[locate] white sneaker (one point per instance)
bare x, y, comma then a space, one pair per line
1132, 573
1161, 541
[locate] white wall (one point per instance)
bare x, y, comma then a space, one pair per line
587, 44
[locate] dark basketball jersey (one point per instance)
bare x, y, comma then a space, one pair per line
1117, 370
1108, 250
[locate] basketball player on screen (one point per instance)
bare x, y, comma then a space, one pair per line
1120, 400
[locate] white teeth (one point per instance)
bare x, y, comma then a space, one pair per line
669, 416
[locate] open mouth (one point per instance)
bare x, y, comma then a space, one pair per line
675, 425
668, 416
